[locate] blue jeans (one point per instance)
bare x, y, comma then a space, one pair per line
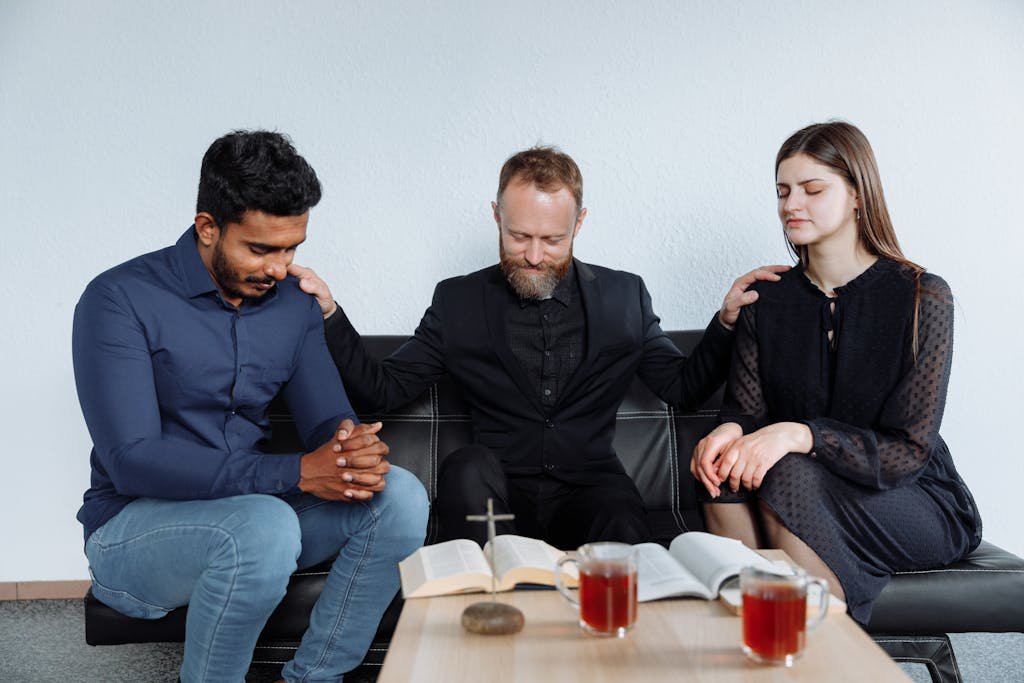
229, 560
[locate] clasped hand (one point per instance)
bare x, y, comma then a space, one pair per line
350, 467
727, 456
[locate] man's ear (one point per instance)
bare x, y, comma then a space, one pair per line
579, 221
206, 229
497, 214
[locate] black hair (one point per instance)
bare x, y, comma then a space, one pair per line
258, 171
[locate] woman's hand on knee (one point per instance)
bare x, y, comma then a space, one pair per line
747, 460
708, 449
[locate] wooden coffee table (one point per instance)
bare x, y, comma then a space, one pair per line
673, 640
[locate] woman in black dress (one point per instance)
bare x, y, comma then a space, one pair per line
829, 446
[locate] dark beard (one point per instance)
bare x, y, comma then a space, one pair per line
533, 287
225, 276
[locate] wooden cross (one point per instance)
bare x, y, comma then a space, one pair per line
490, 518
493, 617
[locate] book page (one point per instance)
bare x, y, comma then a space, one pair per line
519, 551
659, 575
450, 567
713, 559
518, 559
460, 556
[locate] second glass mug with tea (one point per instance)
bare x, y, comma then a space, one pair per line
608, 584
775, 613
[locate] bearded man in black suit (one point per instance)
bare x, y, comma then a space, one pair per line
544, 348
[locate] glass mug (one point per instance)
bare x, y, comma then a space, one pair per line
775, 619
607, 595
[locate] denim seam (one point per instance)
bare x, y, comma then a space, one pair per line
107, 589
209, 527
367, 550
105, 547
230, 594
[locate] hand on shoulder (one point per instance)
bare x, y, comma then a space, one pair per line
311, 283
739, 295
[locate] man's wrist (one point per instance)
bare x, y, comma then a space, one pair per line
721, 321
723, 328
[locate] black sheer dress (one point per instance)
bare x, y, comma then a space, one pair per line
878, 493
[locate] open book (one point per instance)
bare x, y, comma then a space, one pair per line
696, 564
460, 566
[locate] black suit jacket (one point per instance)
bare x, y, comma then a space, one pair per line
463, 334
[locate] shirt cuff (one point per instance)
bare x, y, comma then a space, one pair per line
816, 441
338, 324
719, 328
746, 422
337, 307
279, 474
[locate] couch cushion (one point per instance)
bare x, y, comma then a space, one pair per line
984, 592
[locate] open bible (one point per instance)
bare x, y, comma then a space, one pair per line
696, 564
460, 566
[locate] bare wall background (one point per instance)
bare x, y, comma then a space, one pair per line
674, 111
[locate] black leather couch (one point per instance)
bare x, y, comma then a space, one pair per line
984, 593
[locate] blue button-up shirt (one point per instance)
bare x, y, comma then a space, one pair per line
175, 383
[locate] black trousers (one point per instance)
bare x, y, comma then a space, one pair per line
565, 515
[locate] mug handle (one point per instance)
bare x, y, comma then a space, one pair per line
560, 585
822, 584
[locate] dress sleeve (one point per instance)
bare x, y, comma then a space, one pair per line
744, 400
907, 430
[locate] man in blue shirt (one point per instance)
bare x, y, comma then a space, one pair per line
177, 355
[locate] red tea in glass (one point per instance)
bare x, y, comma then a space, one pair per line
607, 579
607, 597
775, 623
774, 613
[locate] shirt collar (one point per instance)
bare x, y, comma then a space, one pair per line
198, 280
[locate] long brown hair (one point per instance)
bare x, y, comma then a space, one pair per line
843, 147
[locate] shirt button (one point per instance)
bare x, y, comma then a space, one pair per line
549, 467
547, 352
549, 424
547, 392
545, 316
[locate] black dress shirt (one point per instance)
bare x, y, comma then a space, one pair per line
547, 338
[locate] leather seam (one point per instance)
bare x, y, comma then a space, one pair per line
969, 571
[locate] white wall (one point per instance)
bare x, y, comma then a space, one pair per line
674, 111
